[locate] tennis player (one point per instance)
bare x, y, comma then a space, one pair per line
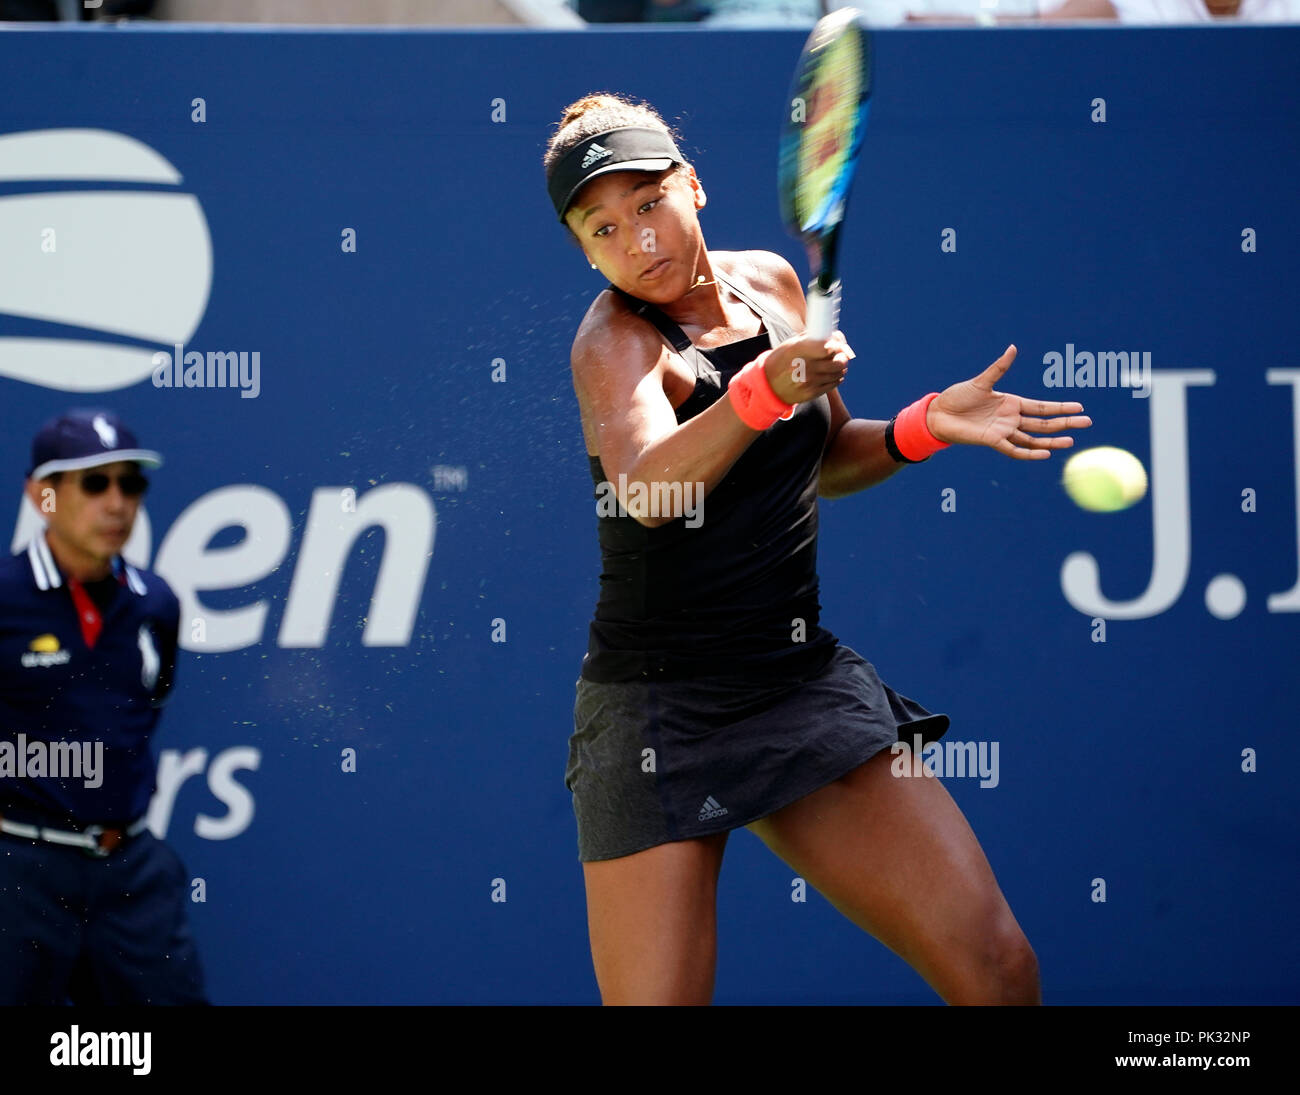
710, 697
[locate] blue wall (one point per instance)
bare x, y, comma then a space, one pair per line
1119, 760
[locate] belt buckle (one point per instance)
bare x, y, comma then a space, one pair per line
95, 849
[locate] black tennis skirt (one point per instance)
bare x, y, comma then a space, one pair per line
652, 762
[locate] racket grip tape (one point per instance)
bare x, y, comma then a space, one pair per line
823, 311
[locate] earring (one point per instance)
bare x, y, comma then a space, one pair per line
593, 266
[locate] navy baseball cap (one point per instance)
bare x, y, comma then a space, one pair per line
86, 439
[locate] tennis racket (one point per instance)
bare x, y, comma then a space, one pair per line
820, 138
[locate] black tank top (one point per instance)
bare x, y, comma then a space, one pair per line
723, 597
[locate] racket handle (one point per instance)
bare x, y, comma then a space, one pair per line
823, 311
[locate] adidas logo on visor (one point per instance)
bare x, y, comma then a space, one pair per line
594, 153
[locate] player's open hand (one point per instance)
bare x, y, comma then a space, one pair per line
972, 413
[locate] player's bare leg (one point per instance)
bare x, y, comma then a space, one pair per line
652, 918
896, 856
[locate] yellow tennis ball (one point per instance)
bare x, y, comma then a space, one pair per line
1104, 479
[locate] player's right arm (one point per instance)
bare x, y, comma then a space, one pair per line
619, 364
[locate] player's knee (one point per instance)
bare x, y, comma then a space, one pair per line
1010, 967
997, 967
1019, 973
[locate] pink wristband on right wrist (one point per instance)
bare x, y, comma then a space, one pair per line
752, 396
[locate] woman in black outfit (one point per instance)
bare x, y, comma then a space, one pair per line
710, 697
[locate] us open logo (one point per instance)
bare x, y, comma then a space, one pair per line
101, 244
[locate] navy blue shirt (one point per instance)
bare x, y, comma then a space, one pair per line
55, 688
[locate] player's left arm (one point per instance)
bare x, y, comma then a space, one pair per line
855, 456
971, 412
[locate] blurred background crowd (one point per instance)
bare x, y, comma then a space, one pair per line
573, 13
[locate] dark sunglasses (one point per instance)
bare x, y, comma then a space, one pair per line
132, 484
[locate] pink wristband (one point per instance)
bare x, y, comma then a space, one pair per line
912, 435
752, 396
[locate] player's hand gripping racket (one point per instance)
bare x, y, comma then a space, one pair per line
820, 138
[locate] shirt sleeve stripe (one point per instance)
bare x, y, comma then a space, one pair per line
134, 580
38, 570
47, 560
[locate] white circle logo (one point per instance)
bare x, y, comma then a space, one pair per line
110, 260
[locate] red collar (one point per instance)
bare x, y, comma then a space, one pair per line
88, 614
